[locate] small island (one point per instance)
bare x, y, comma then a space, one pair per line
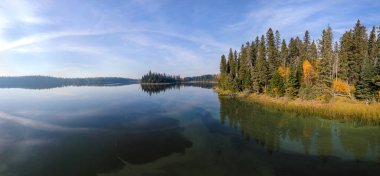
163, 78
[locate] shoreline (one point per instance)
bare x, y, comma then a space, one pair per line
190, 82
339, 108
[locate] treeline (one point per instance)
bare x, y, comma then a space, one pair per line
306, 69
203, 78
46, 82
153, 77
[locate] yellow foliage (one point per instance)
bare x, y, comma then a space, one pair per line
281, 71
308, 72
340, 86
284, 73
287, 73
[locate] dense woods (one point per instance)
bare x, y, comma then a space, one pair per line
153, 77
203, 78
307, 69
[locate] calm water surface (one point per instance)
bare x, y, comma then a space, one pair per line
183, 130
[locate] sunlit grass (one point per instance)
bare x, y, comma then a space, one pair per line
339, 108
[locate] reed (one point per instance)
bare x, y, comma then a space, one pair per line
339, 108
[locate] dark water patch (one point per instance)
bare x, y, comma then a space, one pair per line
91, 153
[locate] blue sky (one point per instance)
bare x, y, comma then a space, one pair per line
74, 38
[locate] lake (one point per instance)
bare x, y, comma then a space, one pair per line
171, 130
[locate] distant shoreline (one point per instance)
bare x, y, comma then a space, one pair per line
188, 82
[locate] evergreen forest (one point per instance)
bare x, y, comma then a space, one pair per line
321, 69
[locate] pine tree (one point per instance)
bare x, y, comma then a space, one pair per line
223, 72
336, 61
365, 87
344, 54
261, 68
254, 74
294, 53
272, 52
231, 79
376, 79
254, 50
237, 64
284, 54
246, 64
276, 85
293, 85
325, 72
305, 52
359, 52
278, 47
372, 46
277, 40
314, 55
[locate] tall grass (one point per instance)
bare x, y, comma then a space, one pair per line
339, 108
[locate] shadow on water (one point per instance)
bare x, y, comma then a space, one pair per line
139, 141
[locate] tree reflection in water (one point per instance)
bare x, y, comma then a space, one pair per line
277, 131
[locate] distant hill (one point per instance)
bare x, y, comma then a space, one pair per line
46, 82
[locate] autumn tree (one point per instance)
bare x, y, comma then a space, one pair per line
308, 73
341, 87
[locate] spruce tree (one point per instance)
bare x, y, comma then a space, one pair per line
284, 55
276, 86
294, 53
376, 79
344, 54
261, 68
336, 61
246, 64
272, 52
232, 85
314, 55
359, 52
305, 52
223, 65
292, 85
372, 45
325, 72
222, 80
278, 48
365, 87
277, 40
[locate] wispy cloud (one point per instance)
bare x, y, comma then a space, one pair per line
127, 38
47, 36
39, 125
293, 18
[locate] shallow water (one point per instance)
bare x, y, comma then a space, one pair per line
183, 130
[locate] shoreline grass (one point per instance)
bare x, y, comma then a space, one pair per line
340, 108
